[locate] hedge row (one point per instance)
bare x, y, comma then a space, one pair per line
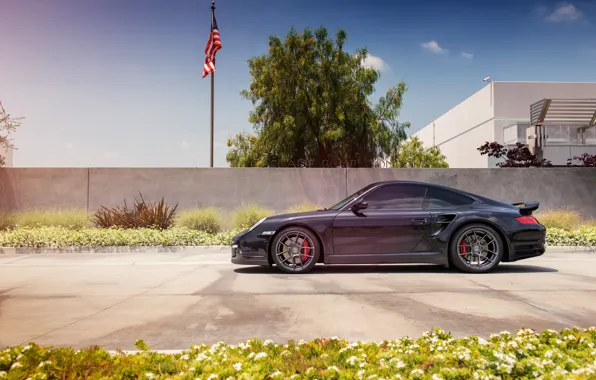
57, 237
565, 354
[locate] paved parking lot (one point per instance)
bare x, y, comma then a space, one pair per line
173, 300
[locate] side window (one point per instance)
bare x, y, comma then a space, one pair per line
439, 198
396, 197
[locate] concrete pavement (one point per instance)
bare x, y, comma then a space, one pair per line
175, 299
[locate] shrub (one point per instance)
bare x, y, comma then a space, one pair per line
303, 207
59, 237
142, 215
560, 219
7, 221
71, 218
246, 215
583, 236
207, 219
550, 354
56, 237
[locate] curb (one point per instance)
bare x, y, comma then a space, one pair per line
569, 249
201, 249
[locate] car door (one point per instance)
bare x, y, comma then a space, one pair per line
393, 223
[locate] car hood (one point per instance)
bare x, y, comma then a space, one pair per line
309, 215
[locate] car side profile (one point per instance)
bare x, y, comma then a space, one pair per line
397, 222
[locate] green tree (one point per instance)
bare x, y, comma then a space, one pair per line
8, 124
311, 106
413, 154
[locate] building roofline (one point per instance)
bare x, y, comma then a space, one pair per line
539, 81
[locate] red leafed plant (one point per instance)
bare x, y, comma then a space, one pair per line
585, 160
518, 157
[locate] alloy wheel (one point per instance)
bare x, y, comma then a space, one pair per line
295, 251
478, 249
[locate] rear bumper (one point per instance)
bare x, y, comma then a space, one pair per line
527, 244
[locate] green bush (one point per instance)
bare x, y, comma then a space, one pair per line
143, 214
179, 236
584, 236
71, 218
564, 354
58, 237
303, 207
246, 215
560, 219
207, 219
7, 221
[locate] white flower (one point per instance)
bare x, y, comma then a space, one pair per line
2, 373
238, 366
212, 377
436, 377
417, 372
352, 360
268, 342
275, 374
149, 375
548, 354
260, 355
333, 368
16, 365
482, 341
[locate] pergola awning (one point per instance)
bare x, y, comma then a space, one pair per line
580, 113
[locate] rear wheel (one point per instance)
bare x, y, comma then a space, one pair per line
295, 250
477, 248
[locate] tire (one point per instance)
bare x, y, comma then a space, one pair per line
295, 250
464, 249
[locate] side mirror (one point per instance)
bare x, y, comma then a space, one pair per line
359, 206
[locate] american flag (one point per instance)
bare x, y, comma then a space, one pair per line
213, 45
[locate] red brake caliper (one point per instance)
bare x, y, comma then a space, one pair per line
463, 248
306, 249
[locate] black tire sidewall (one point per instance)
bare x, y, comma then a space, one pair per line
311, 237
453, 248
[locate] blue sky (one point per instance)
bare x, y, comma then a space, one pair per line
118, 82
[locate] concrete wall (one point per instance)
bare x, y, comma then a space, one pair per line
8, 157
26, 188
278, 188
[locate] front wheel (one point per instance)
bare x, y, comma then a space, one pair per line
477, 248
295, 250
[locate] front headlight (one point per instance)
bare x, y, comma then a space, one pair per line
256, 224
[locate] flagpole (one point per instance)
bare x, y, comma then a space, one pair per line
212, 88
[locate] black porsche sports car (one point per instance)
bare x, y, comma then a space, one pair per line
397, 222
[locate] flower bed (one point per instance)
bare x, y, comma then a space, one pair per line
59, 237
565, 354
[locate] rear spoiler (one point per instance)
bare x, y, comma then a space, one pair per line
527, 208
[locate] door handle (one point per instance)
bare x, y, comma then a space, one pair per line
419, 221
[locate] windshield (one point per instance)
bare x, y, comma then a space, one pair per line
349, 199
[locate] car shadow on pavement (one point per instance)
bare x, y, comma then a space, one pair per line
331, 269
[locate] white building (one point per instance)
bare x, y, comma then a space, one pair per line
500, 112
8, 160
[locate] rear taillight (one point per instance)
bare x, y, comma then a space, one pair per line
527, 219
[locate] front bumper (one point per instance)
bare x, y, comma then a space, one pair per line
249, 248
